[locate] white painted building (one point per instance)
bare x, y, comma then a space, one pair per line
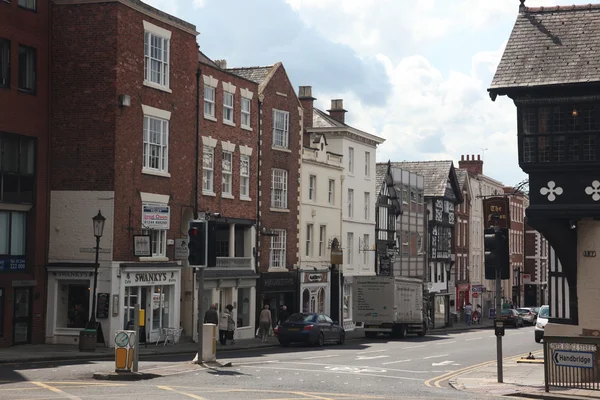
320, 222
357, 193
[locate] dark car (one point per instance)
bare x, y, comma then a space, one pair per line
315, 329
511, 317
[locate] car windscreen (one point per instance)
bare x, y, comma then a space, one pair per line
301, 318
544, 312
523, 310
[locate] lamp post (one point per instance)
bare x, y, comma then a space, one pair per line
99, 220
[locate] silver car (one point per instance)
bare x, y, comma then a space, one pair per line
528, 314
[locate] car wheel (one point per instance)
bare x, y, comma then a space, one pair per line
342, 338
538, 340
321, 340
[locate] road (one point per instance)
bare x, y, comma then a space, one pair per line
382, 368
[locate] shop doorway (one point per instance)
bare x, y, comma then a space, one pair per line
22, 315
156, 303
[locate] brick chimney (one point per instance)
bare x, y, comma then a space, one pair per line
221, 64
337, 111
471, 164
307, 101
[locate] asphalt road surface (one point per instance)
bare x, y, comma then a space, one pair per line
382, 368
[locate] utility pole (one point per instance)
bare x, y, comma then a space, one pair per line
498, 337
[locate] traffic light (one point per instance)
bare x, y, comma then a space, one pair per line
197, 243
497, 256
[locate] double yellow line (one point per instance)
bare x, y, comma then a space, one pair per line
437, 381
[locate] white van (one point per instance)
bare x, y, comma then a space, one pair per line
542, 320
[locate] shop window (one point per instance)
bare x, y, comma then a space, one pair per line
130, 299
12, 233
305, 301
73, 305
1, 312
347, 301
321, 296
17, 157
243, 307
160, 307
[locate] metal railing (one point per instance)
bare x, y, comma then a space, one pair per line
234, 262
571, 362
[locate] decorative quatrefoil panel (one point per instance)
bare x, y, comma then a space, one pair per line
593, 190
551, 191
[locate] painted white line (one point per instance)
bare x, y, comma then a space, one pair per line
370, 357
476, 338
349, 373
444, 343
331, 366
412, 347
323, 356
438, 356
371, 351
395, 362
254, 362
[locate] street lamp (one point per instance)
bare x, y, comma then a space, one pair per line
518, 272
99, 220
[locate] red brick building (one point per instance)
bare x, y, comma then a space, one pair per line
24, 132
228, 193
280, 159
124, 115
516, 243
461, 241
535, 269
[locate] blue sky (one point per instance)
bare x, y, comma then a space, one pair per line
413, 72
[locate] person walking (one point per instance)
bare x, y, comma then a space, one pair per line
224, 325
265, 323
468, 310
283, 315
230, 325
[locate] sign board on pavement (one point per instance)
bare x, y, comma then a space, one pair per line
570, 358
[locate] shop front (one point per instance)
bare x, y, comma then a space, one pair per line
69, 302
157, 289
278, 289
347, 304
462, 296
315, 291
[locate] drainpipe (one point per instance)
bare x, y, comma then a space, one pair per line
258, 173
196, 174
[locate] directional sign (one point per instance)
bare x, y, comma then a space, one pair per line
577, 359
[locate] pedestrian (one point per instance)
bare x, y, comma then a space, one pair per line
479, 312
211, 316
265, 322
283, 315
230, 324
468, 309
224, 325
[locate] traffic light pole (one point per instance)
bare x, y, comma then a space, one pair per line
200, 281
498, 314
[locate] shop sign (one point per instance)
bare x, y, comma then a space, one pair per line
149, 278
12, 264
526, 279
155, 216
72, 274
478, 289
315, 277
337, 256
496, 212
278, 282
463, 287
181, 249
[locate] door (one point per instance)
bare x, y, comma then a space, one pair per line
22, 315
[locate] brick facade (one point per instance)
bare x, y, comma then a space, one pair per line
516, 242
279, 94
26, 115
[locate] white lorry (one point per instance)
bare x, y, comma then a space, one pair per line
389, 304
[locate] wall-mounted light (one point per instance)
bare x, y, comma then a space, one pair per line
575, 113
124, 100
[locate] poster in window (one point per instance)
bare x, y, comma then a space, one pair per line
102, 305
142, 246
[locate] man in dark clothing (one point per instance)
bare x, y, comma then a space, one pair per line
211, 316
283, 315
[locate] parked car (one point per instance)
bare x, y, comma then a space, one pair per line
511, 317
315, 329
540, 325
528, 314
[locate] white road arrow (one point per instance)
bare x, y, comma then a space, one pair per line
442, 363
369, 357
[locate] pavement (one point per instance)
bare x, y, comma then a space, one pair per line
58, 352
521, 378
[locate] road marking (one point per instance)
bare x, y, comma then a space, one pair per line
370, 358
412, 347
329, 366
440, 355
323, 356
445, 343
442, 363
334, 395
395, 362
372, 351
56, 390
476, 338
350, 373
193, 396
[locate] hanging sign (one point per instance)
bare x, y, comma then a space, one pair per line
496, 212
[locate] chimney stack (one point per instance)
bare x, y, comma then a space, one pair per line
337, 111
522, 7
221, 64
472, 165
307, 101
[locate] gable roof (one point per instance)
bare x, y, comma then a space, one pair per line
254, 74
323, 120
381, 171
384, 177
436, 174
203, 58
551, 46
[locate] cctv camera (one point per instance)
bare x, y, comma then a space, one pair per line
217, 215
